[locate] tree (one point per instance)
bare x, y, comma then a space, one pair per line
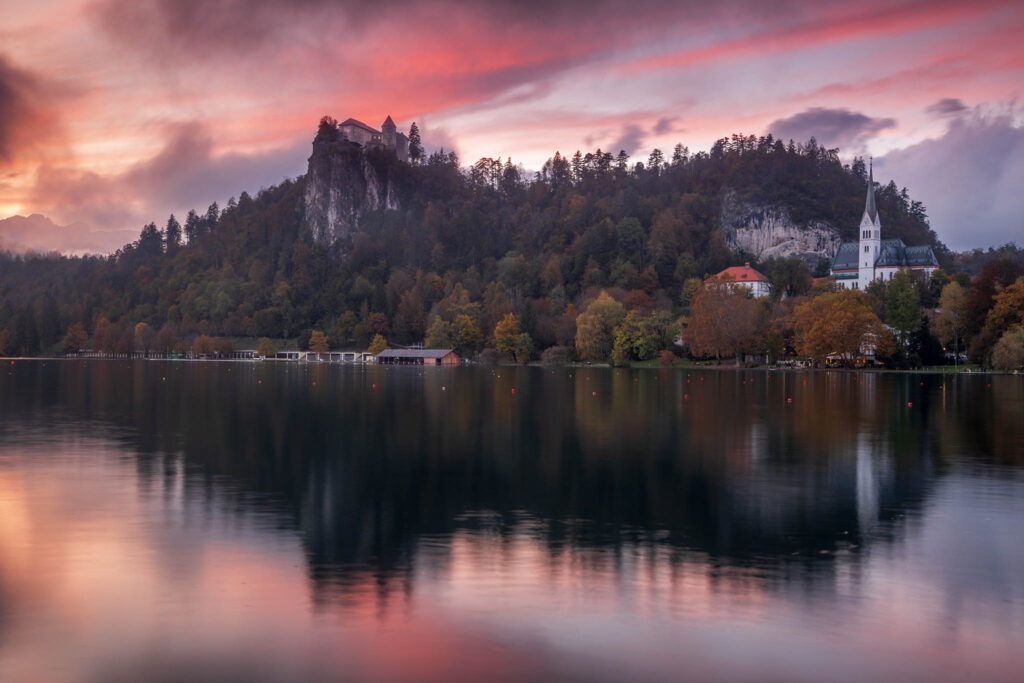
949, 323
378, 344
903, 307
99, 335
318, 342
266, 348
415, 144
723, 320
144, 336
790, 277
506, 334
595, 327
523, 348
1007, 309
75, 339
1008, 353
166, 340
192, 226
439, 334
466, 335
172, 234
839, 323
203, 345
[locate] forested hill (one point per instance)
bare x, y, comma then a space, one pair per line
443, 241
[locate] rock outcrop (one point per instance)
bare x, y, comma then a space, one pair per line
769, 231
344, 182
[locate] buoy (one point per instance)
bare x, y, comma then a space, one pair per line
314, 384
805, 383
444, 388
686, 397
910, 404
922, 384
374, 386
593, 393
789, 400
513, 390
259, 381
635, 379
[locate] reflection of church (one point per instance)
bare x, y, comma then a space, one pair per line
856, 264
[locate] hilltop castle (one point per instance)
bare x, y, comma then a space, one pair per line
856, 264
387, 137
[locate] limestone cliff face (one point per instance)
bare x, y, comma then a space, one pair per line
343, 184
767, 231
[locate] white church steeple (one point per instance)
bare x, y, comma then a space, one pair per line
870, 235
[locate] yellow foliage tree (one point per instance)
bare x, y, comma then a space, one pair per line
839, 323
318, 342
378, 344
595, 327
506, 334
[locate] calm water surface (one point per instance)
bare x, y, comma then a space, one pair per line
168, 521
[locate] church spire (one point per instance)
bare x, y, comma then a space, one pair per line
869, 205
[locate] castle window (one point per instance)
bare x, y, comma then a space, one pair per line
866, 249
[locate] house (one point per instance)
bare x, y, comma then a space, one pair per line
418, 357
856, 264
387, 137
747, 277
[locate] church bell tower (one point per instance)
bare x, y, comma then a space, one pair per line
870, 236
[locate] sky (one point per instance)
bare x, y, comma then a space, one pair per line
114, 113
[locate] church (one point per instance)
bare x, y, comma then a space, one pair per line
856, 264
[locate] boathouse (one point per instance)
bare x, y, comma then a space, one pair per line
418, 357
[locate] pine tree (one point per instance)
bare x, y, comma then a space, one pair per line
415, 144
172, 234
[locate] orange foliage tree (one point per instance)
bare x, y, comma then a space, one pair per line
723, 321
840, 323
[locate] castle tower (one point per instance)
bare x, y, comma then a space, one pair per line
870, 236
387, 130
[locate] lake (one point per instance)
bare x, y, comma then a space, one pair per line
226, 521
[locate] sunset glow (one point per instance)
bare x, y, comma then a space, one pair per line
116, 113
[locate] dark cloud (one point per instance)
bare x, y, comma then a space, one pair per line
665, 125
630, 139
25, 114
842, 128
948, 106
186, 173
969, 179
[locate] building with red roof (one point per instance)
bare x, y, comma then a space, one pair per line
745, 276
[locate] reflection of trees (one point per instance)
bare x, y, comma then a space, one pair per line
602, 458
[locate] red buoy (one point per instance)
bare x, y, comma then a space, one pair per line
789, 400
513, 390
593, 393
686, 397
910, 404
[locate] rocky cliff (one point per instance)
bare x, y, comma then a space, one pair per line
769, 231
344, 182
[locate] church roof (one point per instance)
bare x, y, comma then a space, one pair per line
359, 124
870, 208
387, 122
847, 256
892, 253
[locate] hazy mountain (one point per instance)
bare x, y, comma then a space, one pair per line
38, 233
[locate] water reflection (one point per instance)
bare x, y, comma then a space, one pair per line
161, 521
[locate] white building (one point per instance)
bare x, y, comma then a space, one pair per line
856, 264
747, 277
387, 137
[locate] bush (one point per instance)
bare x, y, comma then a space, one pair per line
666, 357
555, 355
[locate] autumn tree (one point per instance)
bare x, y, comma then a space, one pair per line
506, 334
595, 327
318, 342
1008, 353
203, 345
724, 321
166, 340
1007, 309
144, 336
948, 324
839, 323
378, 344
100, 332
76, 338
466, 335
266, 348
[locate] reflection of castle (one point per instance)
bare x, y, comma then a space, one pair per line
387, 137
